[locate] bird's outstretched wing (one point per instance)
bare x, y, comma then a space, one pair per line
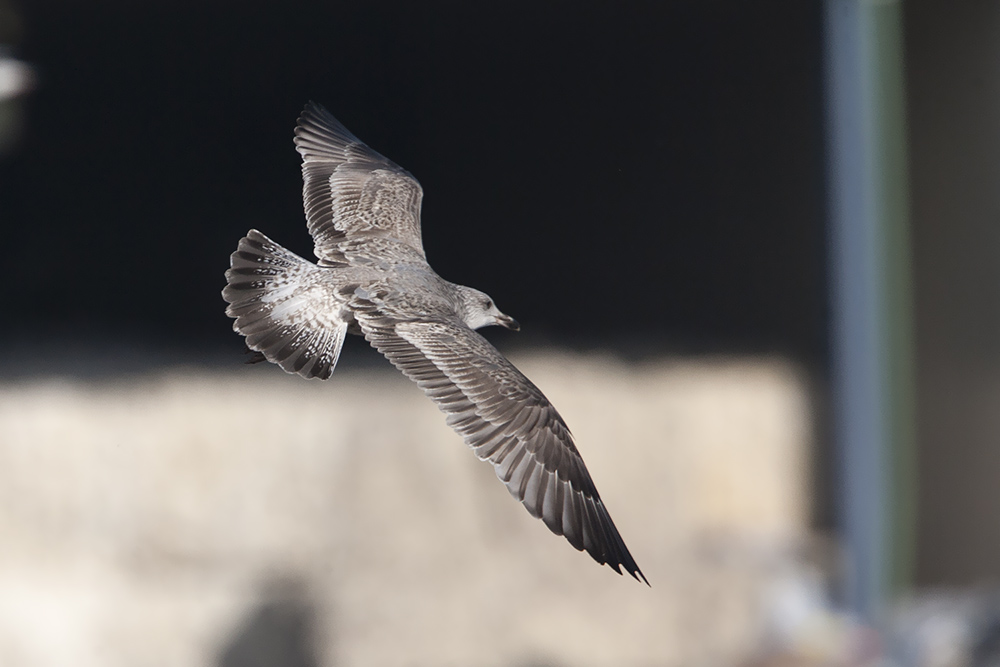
507, 421
350, 191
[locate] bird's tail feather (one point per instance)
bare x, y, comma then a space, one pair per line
284, 307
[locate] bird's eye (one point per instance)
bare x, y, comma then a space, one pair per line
487, 304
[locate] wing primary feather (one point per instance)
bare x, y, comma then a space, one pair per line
571, 524
505, 466
552, 503
590, 537
535, 487
520, 477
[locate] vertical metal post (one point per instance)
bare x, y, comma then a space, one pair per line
871, 301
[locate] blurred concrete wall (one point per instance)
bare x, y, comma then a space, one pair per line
253, 518
953, 62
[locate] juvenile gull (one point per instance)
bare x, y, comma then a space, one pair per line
372, 279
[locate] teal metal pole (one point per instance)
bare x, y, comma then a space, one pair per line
871, 341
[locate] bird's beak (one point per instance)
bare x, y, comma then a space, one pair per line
508, 322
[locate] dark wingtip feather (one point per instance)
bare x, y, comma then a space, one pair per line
612, 547
617, 545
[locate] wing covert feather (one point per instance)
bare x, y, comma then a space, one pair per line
350, 191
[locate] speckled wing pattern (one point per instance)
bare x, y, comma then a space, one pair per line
284, 307
350, 191
507, 421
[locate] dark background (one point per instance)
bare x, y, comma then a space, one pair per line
645, 178
640, 177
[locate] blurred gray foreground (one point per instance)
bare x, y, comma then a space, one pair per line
253, 518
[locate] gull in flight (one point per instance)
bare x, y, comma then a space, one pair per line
372, 279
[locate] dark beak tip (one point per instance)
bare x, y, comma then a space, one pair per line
512, 324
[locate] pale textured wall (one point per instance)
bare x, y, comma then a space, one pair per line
155, 521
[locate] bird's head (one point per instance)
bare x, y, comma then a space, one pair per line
478, 310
